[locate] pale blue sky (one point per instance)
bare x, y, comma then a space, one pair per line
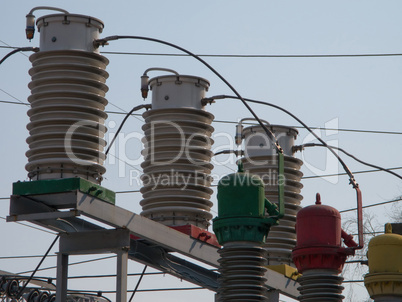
356, 93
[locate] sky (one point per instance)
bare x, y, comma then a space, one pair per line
358, 93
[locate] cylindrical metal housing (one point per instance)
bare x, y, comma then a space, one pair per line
383, 282
176, 180
261, 159
69, 32
318, 225
67, 101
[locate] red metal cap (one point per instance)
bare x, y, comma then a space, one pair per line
318, 225
318, 230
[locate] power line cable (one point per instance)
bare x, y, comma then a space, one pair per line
234, 123
24, 257
37, 267
352, 156
352, 180
15, 98
122, 124
255, 55
74, 263
16, 50
373, 205
341, 174
104, 41
30, 226
138, 283
140, 290
244, 55
304, 177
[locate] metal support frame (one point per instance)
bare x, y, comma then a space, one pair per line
94, 242
154, 248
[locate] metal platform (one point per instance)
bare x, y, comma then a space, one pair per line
63, 206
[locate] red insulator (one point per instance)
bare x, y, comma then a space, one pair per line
319, 234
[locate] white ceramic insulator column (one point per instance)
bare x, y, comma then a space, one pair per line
176, 180
67, 100
261, 159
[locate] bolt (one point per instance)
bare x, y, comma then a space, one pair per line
54, 39
166, 97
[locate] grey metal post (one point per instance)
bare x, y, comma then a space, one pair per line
121, 276
273, 296
62, 277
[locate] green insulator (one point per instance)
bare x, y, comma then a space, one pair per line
241, 209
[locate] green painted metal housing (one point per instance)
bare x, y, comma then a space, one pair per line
52, 186
241, 209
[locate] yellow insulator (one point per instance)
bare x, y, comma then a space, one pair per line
384, 280
384, 252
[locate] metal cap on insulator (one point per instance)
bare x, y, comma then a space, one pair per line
178, 91
69, 31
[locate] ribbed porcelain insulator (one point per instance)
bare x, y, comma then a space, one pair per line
261, 159
176, 180
67, 115
320, 285
242, 272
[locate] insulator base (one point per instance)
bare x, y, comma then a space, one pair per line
384, 286
242, 272
320, 285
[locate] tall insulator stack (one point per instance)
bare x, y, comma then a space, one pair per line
67, 100
242, 227
176, 181
319, 254
261, 159
384, 280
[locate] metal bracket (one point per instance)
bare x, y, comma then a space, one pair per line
43, 216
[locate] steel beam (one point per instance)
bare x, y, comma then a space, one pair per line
157, 240
95, 242
43, 216
147, 229
158, 258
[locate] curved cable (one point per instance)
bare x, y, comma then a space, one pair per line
34, 49
354, 157
345, 167
104, 41
138, 283
37, 267
122, 123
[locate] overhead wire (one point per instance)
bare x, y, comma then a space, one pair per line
234, 123
104, 41
37, 267
255, 55
122, 124
70, 264
16, 50
27, 225
373, 205
138, 283
352, 156
341, 174
243, 55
